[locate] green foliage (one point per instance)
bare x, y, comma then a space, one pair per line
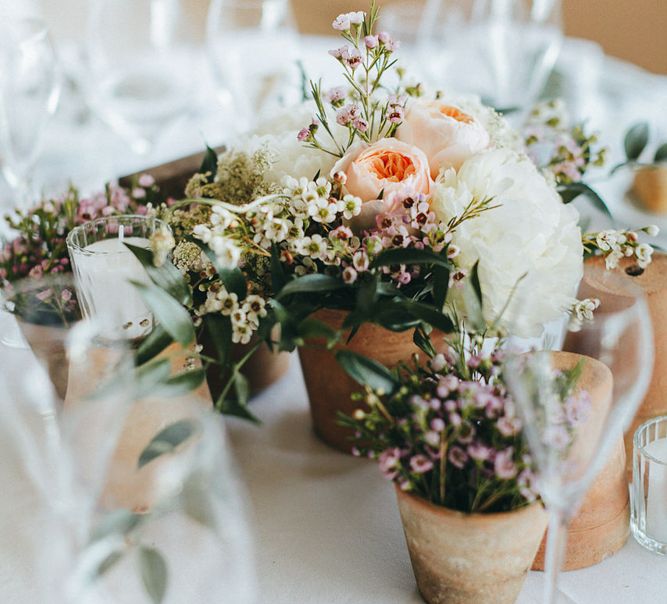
367, 372
167, 440
154, 573
636, 140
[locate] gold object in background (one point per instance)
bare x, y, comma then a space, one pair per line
650, 188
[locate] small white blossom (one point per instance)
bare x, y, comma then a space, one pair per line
652, 230
582, 312
644, 253
349, 275
350, 205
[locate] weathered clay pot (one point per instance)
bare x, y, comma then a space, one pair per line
48, 345
330, 387
602, 525
650, 187
470, 558
653, 281
262, 369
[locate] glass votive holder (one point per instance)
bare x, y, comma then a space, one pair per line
649, 485
105, 269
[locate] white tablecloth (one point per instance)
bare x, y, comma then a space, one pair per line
326, 525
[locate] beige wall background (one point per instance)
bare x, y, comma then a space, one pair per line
635, 30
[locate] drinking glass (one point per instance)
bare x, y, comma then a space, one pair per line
570, 441
140, 67
503, 50
29, 92
104, 268
252, 51
649, 485
172, 515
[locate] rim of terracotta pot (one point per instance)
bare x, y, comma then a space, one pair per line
439, 510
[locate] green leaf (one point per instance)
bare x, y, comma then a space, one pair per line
231, 406
394, 317
154, 344
312, 329
241, 388
209, 164
167, 440
149, 376
168, 311
440, 285
476, 285
196, 501
636, 140
309, 284
429, 315
367, 296
367, 372
166, 277
423, 342
410, 256
118, 522
661, 154
570, 192
154, 573
278, 277
108, 563
219, 329
180, 384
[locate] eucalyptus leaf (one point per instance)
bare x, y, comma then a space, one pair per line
570, 192
660, 154
310, 284
367, 372
278, 277
429, 315
410, 256
157, 341
182, 383
168, 311
108, 563
196, 502
219, 330
440, 285
423, 342
167, 440
166, 276
209, 164
116, 523
149, 376
154, 573
636, 140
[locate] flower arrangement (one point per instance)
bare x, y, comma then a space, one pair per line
395, 206
449, 432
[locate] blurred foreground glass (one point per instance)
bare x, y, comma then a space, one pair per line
570, 442
104, 268
171, 520
252, 51
29, 92
503, 50
140, 67
649, 485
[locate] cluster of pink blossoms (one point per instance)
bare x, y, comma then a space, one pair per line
451, 434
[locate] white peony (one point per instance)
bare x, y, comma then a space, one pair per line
531, 233
287, 155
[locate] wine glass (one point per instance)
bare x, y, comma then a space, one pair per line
171, 519
503, 50
252, 51
140, 67
29, 93
569, 436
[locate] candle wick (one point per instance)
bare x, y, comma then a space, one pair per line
121, 233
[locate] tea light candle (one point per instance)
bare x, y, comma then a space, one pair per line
104, 270
656, 504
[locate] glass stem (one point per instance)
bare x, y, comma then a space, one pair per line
556, 541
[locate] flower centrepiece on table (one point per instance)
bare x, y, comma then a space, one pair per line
396, 210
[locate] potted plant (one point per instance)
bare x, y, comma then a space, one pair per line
448, 435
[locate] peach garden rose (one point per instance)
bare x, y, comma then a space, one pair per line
389, 167
446, 134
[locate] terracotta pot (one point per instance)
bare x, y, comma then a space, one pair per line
602, 525
330, 387
470, 558
262, 369
653, 281
48, 345
650, 187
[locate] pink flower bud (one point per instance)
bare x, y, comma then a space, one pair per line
371, 41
